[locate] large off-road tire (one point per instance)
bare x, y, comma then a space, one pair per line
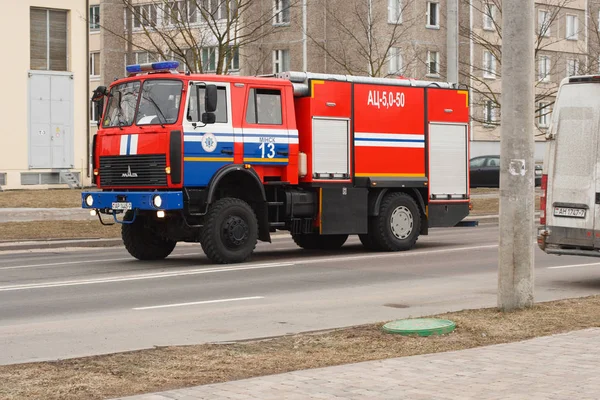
312, 241
398, 224
142, 242
230, 231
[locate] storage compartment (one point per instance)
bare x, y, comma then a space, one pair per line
344, 209
331, 148
448, 161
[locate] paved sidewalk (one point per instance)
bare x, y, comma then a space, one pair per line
554, 367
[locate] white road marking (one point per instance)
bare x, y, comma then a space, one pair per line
127, 278
172, 274
334, 259
87, 262
573, 266
197, 303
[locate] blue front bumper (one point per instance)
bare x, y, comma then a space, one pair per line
138, 200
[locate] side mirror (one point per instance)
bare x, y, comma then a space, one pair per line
209, 118
210, 99
99, 94
99, 109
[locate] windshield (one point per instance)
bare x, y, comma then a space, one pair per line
121, 104
160, 102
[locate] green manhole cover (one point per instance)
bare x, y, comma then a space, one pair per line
420, 326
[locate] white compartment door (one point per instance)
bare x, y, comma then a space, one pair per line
331, 137
448, 161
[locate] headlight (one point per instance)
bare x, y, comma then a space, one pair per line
157, 201
89, 200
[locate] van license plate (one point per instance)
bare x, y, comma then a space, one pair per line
121, 206
569, 212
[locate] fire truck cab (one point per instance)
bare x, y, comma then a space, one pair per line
227, 160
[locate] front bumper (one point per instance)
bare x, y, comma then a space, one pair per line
103, 201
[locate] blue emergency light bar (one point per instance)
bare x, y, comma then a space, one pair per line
155, 66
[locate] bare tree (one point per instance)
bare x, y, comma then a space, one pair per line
203, 35
552, 64
363, 36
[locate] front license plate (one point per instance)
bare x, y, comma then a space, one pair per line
121, 205
569, 212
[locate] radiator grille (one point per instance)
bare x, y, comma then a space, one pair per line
138, 170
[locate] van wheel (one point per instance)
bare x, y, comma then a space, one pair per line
398, 224
313, 241
142, 242
230, 231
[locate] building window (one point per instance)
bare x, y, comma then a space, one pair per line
572, 27
233, 58
395, 11
433, 63
544, 23
48, 39
543, 112
544, 69
143, 57
489, 15
489, 112
93, 116
144, 16
94, 18
433, 15
281, 12
281, 61
489, 65
395, 61
209, 59
572, 67
95, 65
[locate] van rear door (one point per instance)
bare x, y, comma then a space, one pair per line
573, 168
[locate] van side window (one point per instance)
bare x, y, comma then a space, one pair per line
264, 107
221, 114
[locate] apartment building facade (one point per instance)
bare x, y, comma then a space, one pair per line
393, 38
45, 93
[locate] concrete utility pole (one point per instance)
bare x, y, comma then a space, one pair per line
515, 258
452, 41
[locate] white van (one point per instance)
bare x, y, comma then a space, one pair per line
570, 201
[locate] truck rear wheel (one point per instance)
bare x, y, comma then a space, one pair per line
142, 242
398, 224
230, 231
313, 241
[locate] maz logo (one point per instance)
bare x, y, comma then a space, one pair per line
129, 174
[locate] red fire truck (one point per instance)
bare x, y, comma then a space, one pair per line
228, 160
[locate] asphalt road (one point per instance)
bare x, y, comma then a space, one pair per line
66, 303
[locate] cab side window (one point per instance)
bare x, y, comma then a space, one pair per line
264, 107
194, 115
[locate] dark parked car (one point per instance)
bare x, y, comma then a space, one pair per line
485, 172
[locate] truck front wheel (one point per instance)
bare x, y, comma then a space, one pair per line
230, 231
142, 242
